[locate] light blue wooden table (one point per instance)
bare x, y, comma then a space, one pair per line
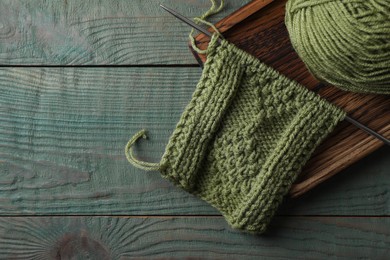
77, 79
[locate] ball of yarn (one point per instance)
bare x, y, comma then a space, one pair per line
343, 42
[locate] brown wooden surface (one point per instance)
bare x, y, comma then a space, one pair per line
259, 29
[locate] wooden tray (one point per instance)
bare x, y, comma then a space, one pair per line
259, 29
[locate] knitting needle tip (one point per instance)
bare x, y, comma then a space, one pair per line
187, 21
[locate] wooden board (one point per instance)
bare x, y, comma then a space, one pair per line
95, 32
66, 188
63, 133
165, 237
259, 29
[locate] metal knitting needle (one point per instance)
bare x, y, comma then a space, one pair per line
367, 129
209, 34
187, 21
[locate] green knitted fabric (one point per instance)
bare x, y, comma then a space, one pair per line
244, 137
343, 42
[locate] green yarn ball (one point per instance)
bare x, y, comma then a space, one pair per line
343, 42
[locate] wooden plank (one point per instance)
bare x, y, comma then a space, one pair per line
93, 32
263, 34
62, 138
195, 237
333, 196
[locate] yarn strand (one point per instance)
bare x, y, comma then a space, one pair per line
147, 166
202, 19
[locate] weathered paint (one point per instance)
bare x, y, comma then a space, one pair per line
191, 237
100, 32
63, 133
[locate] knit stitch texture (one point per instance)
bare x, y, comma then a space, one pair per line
244, 137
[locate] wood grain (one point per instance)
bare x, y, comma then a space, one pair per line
197, 237
63, 131
263, 34
95, 32
62, 138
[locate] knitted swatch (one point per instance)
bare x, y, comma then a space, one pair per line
244, 137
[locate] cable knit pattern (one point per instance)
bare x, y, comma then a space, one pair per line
244, 137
